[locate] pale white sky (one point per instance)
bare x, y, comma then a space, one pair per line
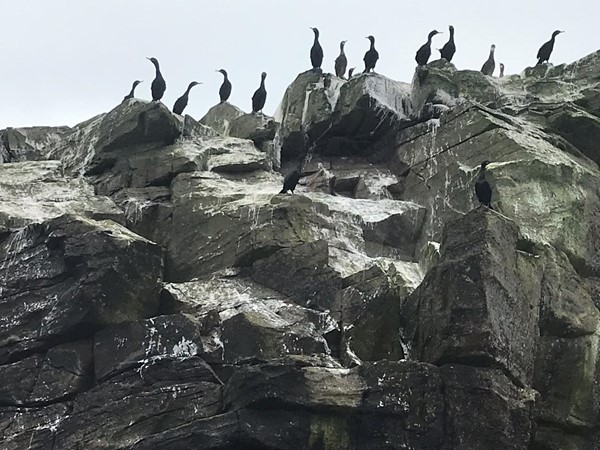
64, 61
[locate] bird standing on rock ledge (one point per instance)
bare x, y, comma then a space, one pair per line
546, 50
225, 90
483, 190
423, 54
489, 66
260, 96
341, 62
316, 51
448, 50
371, 56
132, 92
182, 101
290, 181
159, 85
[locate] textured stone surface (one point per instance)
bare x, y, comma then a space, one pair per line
220, 117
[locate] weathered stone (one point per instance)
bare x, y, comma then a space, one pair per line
480, 304
30, 143
220, 117
256, 127
68, 276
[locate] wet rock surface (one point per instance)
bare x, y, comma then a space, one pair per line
158, 292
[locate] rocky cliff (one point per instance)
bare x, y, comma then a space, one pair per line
156, 292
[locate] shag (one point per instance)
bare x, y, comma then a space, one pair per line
371, 56
260, 96
448, 50
424, 52
290, 181
182, 101
225, 90
483, 190
159, 86
489, 66
545, 50
132, 93
316, 51
350, 72
341, 62
501, 70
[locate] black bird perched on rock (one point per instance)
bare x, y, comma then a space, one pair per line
225, 90
545, 50
341, 62
371, 56
448, 50
260, 96
489, 66
501, 70
182, 101
131, 94
159, 86
316, 51
483, 190
424, 52
351, 72
290, 181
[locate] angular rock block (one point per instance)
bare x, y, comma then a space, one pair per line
67, 277
256, 127
29, 143
480, 304
220, 117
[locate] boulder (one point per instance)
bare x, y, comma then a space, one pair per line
220, 117
29, 143
256, 127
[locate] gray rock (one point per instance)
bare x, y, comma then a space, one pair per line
256, 127
220, 117
30, 143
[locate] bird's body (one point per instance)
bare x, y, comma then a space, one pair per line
545, 50
351, 72
132, 92
260, 96
423, 54
182, 101
483, 190
490, 65
225, 90
159, 86
371, 56
448, 50
316, 51
501, 70
290, 181
341, 62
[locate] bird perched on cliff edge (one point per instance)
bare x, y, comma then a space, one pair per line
545, 50
448, 50
290, 181
316, 51
182, 101
483, 190
424, 52
132, 92
371, 56
260, 96
351, 72
159, 85
225, 90
341, 62
501, 70
489, 66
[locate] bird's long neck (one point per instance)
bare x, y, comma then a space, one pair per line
342, 48
373, 45
429, 40
482, 173
262, 83
491, 53
316, 38
158, 74
451, 35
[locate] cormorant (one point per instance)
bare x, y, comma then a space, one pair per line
350, 72
341, 62
483, 190
182, 101
159, 86
489, 66
290, 181
371, 56
424, 52
260, 96
545, 50
132, 93
448, 50
501, 70
316, 52
225, 90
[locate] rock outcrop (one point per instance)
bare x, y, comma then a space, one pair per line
157, 292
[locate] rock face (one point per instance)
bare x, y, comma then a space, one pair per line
157, 292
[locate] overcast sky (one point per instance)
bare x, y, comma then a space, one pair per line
64, 61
